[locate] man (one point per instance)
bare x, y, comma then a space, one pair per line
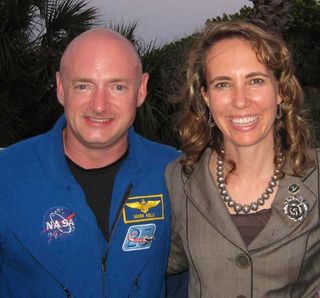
84, 210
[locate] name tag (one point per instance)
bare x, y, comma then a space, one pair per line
143, 208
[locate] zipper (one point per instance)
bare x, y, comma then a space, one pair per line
104, 262
66, 290
68, 293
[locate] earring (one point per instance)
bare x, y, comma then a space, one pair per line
279, 112
211, 123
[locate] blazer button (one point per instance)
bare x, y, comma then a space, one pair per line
243, 261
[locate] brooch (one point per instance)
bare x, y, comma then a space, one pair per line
295, 207
293, 189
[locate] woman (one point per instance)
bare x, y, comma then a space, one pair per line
245, 195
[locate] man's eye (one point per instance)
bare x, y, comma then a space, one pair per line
81, 87
119, 87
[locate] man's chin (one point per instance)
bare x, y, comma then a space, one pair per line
98, 145
104, 144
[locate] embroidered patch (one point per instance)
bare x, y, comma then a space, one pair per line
143, 208
139, 237
58, 223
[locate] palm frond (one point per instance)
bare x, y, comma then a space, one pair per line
128, 30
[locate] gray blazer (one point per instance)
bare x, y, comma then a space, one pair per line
282, 261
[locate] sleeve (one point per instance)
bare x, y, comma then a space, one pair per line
3, 225
1, 240
309, 283
178, 261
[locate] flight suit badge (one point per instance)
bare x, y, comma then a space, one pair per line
139, 237
143, 208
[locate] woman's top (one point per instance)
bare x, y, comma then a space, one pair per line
250, 225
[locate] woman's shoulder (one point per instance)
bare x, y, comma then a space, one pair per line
315, 153
174, 170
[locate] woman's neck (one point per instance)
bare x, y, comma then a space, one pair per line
250, 161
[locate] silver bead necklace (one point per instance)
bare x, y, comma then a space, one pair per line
254, 206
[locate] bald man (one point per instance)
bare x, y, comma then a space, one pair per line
83, 208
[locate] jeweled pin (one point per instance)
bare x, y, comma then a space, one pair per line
293, 189
295, 207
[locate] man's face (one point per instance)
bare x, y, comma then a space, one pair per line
100, 87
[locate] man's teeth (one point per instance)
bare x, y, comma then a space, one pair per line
244, 120
99, 120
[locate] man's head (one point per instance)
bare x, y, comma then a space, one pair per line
100, 84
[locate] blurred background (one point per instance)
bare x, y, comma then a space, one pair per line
34, 33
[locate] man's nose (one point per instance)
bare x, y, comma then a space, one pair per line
100, 100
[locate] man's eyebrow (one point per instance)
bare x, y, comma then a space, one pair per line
88, 80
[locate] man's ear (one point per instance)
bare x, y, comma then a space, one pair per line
60, 90
142, 92
204, 95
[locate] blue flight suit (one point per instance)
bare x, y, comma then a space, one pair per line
50, 243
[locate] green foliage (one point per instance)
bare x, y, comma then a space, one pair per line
303, 37
33, 34
243, 14
128, 30
312, 102
165, 65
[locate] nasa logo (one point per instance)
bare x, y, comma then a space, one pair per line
58, 223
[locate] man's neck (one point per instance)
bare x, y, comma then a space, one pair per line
93, 158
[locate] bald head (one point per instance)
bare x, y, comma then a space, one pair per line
100, 84
104, 41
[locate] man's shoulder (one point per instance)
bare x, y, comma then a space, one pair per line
21, 155
157, 151
162, 150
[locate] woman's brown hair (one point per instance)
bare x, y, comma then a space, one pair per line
292, 135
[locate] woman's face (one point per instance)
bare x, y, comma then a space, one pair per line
242, 94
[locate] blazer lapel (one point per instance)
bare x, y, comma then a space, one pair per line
204, 195
280, 225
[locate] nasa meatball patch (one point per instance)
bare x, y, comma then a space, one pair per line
58, 223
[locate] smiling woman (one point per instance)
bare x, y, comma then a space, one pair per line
245, 194
241, 94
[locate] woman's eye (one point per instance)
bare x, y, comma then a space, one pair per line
222, 85
256, 81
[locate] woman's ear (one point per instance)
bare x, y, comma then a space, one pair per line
204, 95
279, 99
